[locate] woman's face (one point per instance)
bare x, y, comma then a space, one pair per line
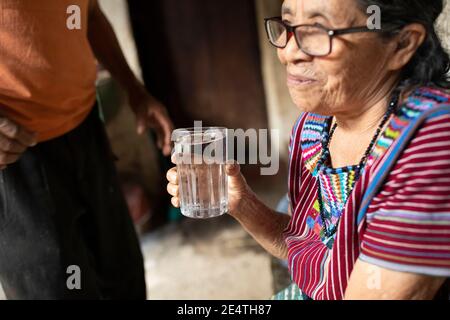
351, 76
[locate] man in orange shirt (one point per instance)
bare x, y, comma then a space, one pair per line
65, 232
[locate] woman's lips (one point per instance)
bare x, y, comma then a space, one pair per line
297, 80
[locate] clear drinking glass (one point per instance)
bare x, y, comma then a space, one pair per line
201, 155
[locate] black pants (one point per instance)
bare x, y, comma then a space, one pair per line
61, 206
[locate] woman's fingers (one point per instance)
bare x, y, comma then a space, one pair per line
236, 179
233, 168
172, 189
175, 202
172, 186
172, 176
237, 184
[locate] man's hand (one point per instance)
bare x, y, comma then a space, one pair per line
151, 114
14, 140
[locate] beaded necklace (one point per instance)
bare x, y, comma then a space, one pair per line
326, 139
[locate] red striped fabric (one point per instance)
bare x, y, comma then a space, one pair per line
407, 227
408, 223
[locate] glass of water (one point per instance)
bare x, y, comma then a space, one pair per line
201, 156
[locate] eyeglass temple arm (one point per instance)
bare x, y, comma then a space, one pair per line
337, 32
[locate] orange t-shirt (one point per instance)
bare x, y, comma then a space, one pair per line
47, 70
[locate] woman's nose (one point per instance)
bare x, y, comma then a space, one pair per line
292, 51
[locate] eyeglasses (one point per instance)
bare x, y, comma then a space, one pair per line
314, 40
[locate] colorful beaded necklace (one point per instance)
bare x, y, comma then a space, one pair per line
326, 140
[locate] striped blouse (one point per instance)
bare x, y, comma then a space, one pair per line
402, 223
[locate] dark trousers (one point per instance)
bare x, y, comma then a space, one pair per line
62, 211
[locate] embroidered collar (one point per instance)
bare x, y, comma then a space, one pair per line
420, 100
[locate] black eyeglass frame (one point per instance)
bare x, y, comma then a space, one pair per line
330, 32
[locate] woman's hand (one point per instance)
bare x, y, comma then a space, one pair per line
238, 190
262, 223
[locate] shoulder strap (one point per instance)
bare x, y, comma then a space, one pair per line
383, 170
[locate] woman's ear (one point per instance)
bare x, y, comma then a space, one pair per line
408, 41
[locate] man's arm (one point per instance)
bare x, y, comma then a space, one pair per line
150, 113
107, 50
370, 282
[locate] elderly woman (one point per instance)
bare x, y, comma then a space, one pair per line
369, 177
